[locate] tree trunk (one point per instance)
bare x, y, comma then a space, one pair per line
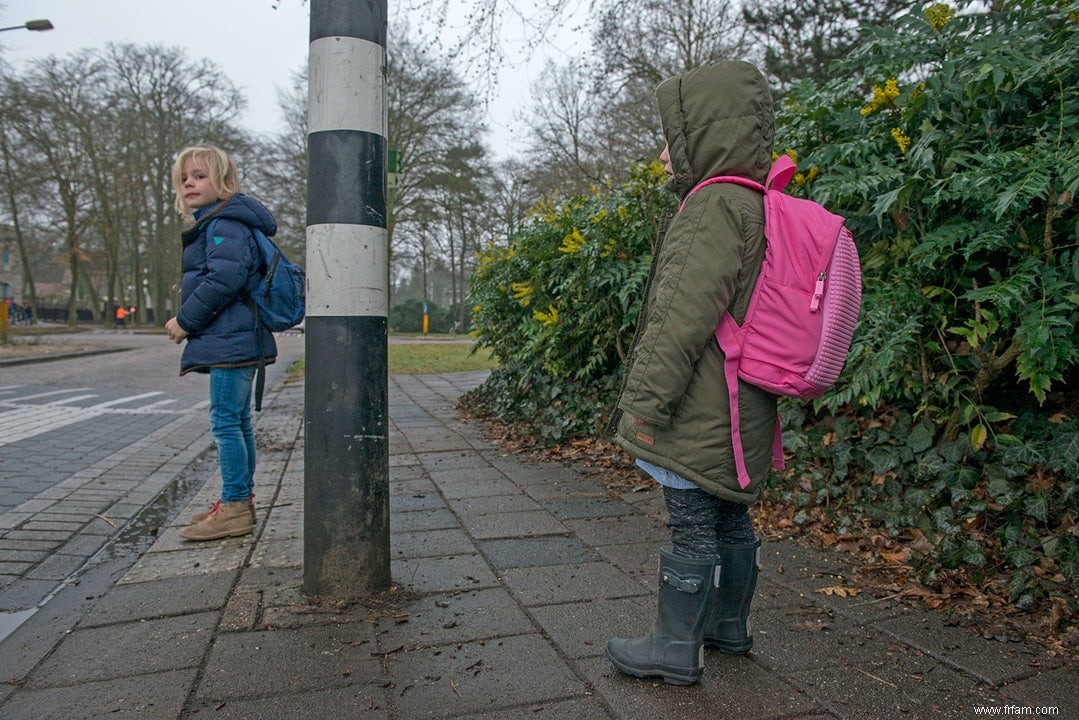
24, 257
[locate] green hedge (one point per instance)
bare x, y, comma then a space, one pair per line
953, 150
558, 306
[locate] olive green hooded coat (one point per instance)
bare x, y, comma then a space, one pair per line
717, 120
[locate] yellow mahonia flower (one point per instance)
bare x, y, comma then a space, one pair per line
623, 212
939, 15
545, 208
656, 170
882, 97
522, 293
572, 242
901, 139
493, 255
600, 216
807, 177
609, 246
547, 318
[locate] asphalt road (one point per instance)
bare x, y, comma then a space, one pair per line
148, 362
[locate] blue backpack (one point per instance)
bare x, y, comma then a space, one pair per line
281, 293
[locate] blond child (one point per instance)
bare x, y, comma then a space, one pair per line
216, 318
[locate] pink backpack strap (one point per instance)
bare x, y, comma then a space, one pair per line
782, 171
777, 447
733, 179
732, 350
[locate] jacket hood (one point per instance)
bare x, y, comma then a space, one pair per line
242, 208
717, 120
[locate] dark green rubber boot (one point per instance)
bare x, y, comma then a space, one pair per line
727, 625
674, 651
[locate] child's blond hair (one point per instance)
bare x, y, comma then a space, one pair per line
224, 177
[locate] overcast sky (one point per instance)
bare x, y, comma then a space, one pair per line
258, 47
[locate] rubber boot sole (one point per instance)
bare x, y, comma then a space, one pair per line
675, 677
741, 648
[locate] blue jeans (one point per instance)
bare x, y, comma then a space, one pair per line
230, 423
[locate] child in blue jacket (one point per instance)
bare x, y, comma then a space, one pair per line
220, 269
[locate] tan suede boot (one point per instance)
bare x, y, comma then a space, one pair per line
224, 520
200, 516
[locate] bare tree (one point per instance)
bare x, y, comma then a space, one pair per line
515, 188
562, 145
461, 190
167, 102
646, 40
432, 115
799, 38
53, 99
21, 180
590, 120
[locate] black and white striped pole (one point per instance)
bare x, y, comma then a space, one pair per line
346, 462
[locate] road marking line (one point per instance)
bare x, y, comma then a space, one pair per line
68, 401
130, 398
52, 392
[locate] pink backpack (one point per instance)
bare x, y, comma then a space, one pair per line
801, 317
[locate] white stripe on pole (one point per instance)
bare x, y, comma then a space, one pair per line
346, 79
353, 260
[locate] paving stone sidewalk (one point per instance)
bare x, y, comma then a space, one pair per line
510, 577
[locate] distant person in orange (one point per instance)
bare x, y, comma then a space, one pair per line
122, 314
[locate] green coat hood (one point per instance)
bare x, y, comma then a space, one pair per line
717, 120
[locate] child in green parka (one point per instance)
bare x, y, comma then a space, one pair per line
673, 413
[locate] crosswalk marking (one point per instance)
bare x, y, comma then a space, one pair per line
31, 420
21, 421
71, 400
132, 398
52, 392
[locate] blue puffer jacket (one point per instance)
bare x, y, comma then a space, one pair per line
216, 270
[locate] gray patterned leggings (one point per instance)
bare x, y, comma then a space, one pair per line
699, 522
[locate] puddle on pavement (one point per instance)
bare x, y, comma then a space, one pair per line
140, 533
132, 540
